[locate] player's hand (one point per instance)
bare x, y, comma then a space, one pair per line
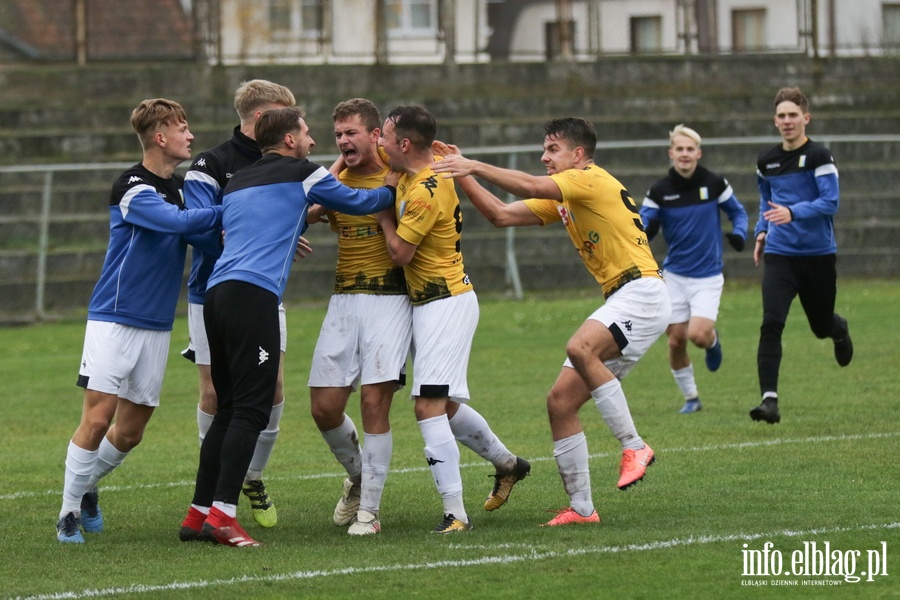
303, 248
441, 149
454, 165
316, 214
760, 247
392, 178
778, 215
736, 241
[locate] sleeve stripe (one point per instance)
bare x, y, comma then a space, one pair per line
125, 202
203, 178
726, 195
828, 169
314, 178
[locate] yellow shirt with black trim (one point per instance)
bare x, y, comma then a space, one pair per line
364, 265
429, 216
604, 224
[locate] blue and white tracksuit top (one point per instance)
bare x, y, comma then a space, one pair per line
688, 211
806, 181
148, 226
265, 209
204, 185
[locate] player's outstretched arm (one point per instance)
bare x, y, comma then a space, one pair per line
518, 183
497, 212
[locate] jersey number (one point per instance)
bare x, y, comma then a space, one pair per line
630, 205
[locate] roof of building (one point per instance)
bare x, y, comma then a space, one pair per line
115, 30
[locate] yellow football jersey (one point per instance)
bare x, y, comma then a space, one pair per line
603, 222
429, 216
364, 265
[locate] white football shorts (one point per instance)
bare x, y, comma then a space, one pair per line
126, 361
640, 310
442, 341
364, 339
694, 296
199, 343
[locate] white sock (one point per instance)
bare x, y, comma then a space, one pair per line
376, 453
79, 466
344, 443
685, 380
204, 420
442, 454
264, 444
571, 456
472, 431
610, 401
229, 509
108, 458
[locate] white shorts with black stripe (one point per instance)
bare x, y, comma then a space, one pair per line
125, 361
637, 314
442, 341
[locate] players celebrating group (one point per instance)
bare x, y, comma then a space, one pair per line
401, 289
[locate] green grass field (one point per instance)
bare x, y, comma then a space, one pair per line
722, 485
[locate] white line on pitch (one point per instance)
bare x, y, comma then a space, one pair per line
535, 554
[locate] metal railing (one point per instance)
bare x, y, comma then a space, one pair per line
507, 156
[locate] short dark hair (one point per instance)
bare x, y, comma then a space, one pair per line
273, 125
792, 94
367, 111
415, 124
577, 132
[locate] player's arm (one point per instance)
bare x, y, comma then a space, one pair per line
499, 213
762, 225
518, 183
826, 202
200, 190
400, 250
732, 207
142, 205
650, 217
324, 189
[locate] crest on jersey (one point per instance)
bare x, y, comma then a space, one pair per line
564, 214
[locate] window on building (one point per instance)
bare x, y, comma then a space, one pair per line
748, 30
295, 18
890, 35
646, 34
411, 16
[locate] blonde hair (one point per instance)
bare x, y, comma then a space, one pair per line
257, 93
151, 115
682, 129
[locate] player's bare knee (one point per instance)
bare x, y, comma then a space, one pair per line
325, 415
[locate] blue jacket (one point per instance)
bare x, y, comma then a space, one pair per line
204, 185
144, 265
689, 212
265, 209
806, 181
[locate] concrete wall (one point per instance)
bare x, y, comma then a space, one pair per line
64, 115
